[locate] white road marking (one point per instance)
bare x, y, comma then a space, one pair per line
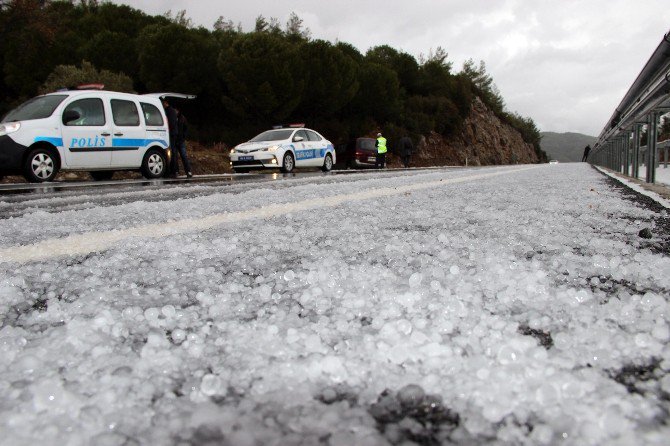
81, 244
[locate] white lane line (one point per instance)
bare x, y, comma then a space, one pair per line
81, 244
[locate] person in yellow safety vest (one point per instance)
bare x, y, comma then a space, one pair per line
380, 161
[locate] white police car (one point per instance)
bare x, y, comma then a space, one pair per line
92, 130
284, 148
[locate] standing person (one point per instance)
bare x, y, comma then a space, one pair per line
380, 161
587, 149
171, 115
182, 131
406, 147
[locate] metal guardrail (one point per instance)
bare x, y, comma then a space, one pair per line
661, 147
618, 146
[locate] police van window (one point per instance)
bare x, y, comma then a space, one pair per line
37, 108
91, 112
313, 136
151, 114
125, 113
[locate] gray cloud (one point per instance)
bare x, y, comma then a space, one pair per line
564, 63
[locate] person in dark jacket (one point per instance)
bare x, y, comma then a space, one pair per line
171, 115
182, 132
587, 149
405, 149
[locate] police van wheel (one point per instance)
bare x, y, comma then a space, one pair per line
102, 175
327, 163
289, 163
154, 164
41, 165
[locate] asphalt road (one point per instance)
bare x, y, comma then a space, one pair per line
18, 198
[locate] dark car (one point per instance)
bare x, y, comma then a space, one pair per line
359, 153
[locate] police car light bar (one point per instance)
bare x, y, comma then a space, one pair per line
290, 126
90, 87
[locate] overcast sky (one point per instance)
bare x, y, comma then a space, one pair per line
564, 63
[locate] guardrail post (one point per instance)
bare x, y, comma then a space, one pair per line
627, 155
602, 157
636, 150
652, 154
617, 154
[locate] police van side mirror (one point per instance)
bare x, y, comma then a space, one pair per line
70, 115
298, 139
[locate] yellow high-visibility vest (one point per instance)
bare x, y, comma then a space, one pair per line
381, 145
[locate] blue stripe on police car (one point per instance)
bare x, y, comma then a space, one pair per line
128, 142
58, 142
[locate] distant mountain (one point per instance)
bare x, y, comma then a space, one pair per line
565, 147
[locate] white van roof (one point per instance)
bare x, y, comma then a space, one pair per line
170, 95
149, 95
80, 91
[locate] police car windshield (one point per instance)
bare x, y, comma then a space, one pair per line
272, 135
37, 108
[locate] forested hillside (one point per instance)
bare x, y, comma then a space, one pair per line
566, 147
245, 81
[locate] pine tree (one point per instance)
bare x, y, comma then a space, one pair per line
261, 24
222, 24
67, 76
483, 85
294, 28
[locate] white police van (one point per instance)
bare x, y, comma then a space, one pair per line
284, 148
91, 130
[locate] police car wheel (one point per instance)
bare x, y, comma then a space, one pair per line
289, 163
327, 163
102, 175
154, 164
41, 165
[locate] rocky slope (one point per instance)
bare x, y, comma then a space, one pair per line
483, 140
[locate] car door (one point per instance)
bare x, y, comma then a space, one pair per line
318, 147
303, 151
129, 135
86, 133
